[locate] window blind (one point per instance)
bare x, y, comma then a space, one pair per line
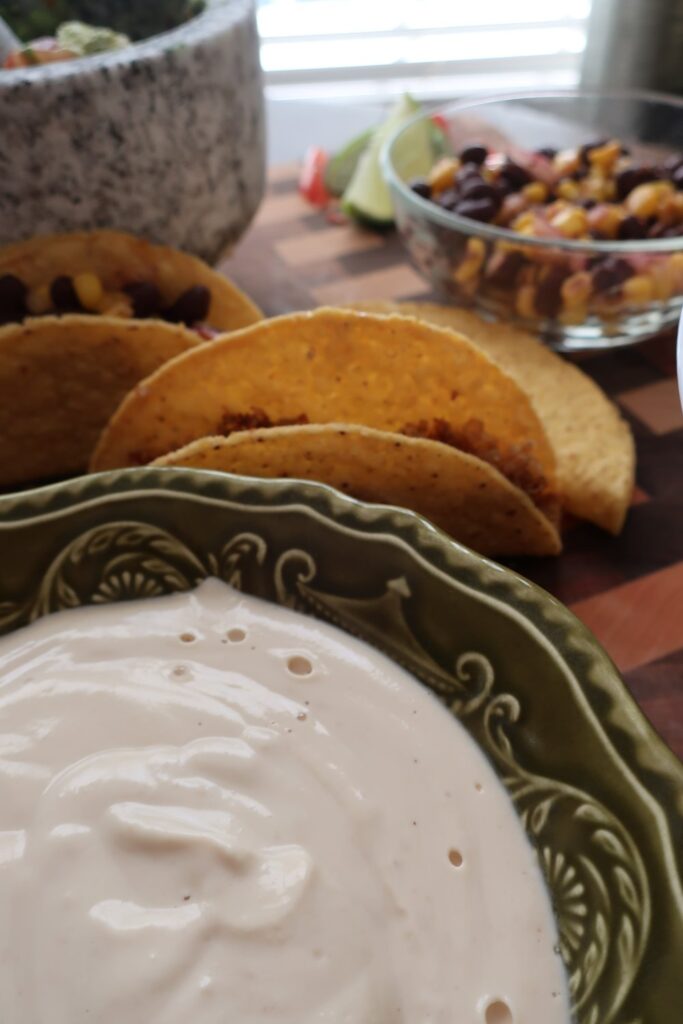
435, 48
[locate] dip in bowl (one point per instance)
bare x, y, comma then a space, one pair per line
592, 786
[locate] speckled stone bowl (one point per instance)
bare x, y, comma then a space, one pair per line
164, 138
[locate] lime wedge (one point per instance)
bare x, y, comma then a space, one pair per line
342, 165
367, 197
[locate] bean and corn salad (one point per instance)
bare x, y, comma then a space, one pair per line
596, 191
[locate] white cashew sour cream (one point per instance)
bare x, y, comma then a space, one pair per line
214, 810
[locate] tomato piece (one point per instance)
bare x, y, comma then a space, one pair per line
440, 121
45, 50
312, 177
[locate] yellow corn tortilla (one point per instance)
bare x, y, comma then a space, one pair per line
119, 259
593, 445
329, 366
464, 496
60, 380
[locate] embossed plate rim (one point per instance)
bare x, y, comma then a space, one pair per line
623, 733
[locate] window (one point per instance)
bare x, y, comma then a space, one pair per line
434, 48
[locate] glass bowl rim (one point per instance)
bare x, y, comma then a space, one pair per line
466, 225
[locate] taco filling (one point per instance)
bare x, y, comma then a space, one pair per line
114, 274
85, 293
516, 463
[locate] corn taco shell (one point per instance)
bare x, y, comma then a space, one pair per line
119, 260
593, 445
464, 496
391, 373
61, 379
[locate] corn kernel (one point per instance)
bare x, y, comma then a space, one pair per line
676, 270
443, 173
576, 289
167, 281
524, 224
535, 192
662, 278
610, 190
671, 209
555, 207
476, 249
568, 189
39, 300
574, 315
117, 304
605, 157
525, 301
567, 161
465, 272
572, 223
638, 290
88, 288
470, 266
594, 186
606, 219
645, 199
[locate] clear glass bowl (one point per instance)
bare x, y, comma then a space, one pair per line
458, 255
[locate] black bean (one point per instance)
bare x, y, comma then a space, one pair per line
630, 178
587, 203
631, 228
449, 198
548, 297
421, 187
503, 188
515, 174
611, 272
473, 189
580, 173
475, 154
659, 230
63, 295
145, 299
547, 151
191, 307
478, 209
12, 299
467, 171
502, 273
672, 163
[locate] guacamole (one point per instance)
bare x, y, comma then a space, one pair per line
30, 19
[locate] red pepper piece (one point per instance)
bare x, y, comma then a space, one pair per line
312, 177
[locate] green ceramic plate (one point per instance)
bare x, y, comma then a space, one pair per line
599, 794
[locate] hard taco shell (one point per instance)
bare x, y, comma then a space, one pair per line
593, 444
60, 380
464, 496
330, 366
